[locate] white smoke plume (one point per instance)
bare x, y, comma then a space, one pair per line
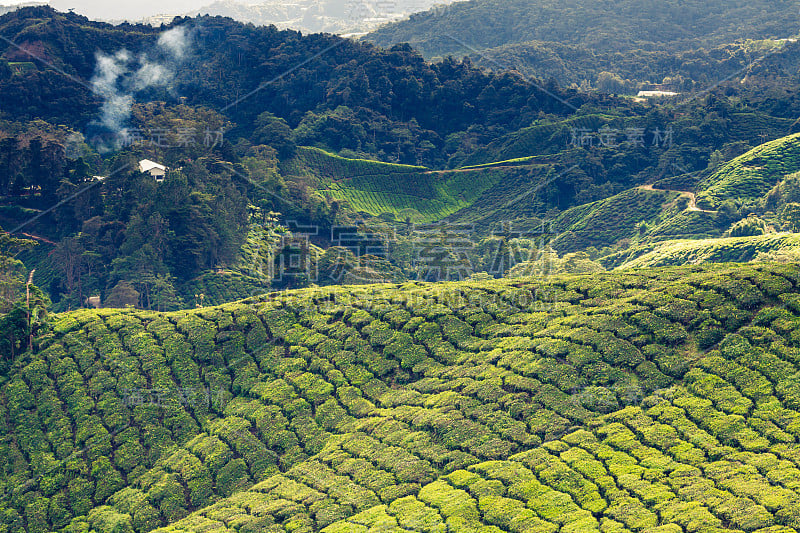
150, 75
116, 102
174, 41
119, 76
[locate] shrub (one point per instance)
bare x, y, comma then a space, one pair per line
402, 348
107, 519
232, 477
709, 333
332, 417
107, 479
748, 227
632, 513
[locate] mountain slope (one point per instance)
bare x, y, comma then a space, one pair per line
692, 252
619, 47
576, 404
604, 26
752, 175
605, 222
344, 90
635, 69
404, 191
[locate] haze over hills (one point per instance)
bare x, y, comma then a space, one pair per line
576, 41
331, 16
121, 11
308, 16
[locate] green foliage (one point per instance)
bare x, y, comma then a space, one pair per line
407, 192
549, 263
653, 41
640, 401
731, 249
315, 149
24, 320
748, 227
12, 271
605, 222
753, 174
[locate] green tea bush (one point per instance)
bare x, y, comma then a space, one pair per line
644, 401
231, 477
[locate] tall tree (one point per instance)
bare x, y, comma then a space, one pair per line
12, 271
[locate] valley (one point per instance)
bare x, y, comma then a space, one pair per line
497, 267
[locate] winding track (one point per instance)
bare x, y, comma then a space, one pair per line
690, 195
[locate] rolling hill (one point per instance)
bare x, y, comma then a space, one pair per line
603, 26
402, 191
761, 182
752, 175
690, 43
661, 397
607, 221
693, 252
649, 401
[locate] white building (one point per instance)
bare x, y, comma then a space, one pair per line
655, 94
154, 169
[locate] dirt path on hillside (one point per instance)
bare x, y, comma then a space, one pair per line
37, 237
686, 194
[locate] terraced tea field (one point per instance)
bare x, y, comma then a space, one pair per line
753, 174
722, 250
318, 163
658, 400
605, 222
401, 190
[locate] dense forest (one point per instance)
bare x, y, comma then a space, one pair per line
618, 46
670, 25
341, 91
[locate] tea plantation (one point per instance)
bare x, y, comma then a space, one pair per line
663, 400
607, 221
403, 191
722, 250
753, 174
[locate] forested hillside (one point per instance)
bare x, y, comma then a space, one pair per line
358, 163
620, 24
345, 93
655, 400
228, 136
611, 46
629, 71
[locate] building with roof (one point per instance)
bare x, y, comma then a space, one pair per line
154, 169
